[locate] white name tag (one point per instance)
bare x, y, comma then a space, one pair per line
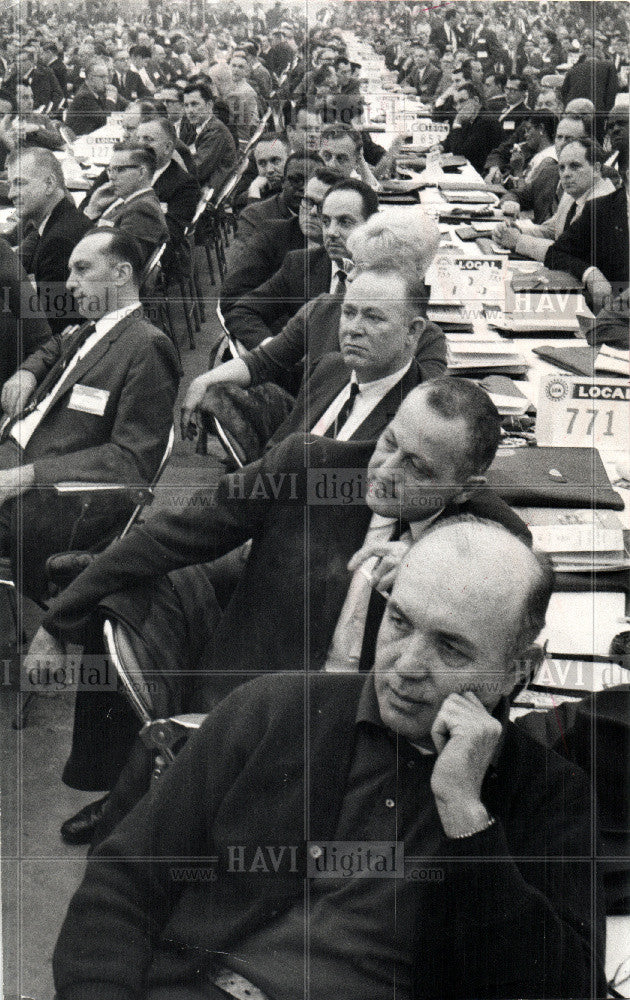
482, 54
86, 399
509, 125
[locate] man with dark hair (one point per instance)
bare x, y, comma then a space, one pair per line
417, 759
594, 248
304, 273
535, 167
263, 241
303, 125
579, 169
346, 82
95, 405
210, 141
511, 121
51, 227
473, 134
341, 149
128, 200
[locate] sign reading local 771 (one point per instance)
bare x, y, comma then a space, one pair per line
584, 413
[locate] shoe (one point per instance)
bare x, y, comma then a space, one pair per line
79, 829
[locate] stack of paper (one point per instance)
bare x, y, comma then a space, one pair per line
469, 355
451, 317
578, 540
612, 361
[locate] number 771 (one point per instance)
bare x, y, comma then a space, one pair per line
574, 410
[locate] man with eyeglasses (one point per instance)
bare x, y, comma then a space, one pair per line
128, 200
512, 121
473, 134
305, 273
90, 107
264, 240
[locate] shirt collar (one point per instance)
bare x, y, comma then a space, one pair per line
159, 172
381, 384
110, 319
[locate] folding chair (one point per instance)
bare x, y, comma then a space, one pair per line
160, 735
63, 567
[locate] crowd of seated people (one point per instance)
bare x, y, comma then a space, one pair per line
380, 614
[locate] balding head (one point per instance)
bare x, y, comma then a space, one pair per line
468, 601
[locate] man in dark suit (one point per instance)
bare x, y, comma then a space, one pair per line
51, 228
473, 133
89, 107
355, 393
595, 79
51, 52
285, 203
128, 201
265, 619
177, 192
305, 273
23, 327
93, 406
423, 76
419, 755
594, 248
481, 41
127, 82
210, 141
254, 257
42, 81
512, 121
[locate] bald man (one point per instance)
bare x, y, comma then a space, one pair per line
415, 844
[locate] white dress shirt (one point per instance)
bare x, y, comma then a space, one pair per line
347, 642
23, 430
369, 396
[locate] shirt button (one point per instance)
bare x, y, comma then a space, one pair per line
411, 763
390, 803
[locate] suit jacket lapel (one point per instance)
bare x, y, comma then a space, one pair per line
91, 358
322, 394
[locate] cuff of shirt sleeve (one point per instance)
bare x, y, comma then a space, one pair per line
587, 274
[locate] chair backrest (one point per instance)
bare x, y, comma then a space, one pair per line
202, 204
149, 494
128, 669
152, 266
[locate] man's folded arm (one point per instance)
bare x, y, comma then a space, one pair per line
134, 879
212, 523
251, 317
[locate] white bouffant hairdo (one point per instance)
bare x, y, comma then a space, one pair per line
406, 239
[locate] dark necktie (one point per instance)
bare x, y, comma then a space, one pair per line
75, 341
340, 282
570, 216
344, 412
28, 249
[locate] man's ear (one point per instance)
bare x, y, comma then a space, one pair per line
524, 668
124, 272
417, 326
472, 484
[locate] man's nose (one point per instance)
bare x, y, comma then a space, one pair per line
413, 662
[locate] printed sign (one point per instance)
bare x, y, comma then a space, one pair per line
583, 413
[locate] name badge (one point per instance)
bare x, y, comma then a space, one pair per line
86, 399
482, 54
509, 125
164, 206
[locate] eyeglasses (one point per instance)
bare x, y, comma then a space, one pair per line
121, 167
